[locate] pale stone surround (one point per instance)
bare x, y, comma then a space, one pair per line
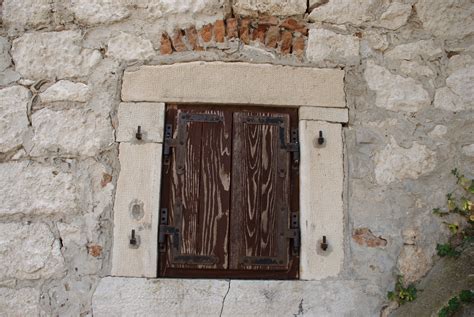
321, 167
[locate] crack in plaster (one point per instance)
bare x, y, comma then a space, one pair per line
223, 299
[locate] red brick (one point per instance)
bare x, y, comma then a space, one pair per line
232, 28
178, 43
273, 37
298, 46
245, 31
268, 20
219, 31
94, 250
285, 45
165, 47
258, 34
293, 25
206, 33
193, 40
365, 237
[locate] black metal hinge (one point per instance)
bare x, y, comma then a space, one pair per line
294, 232
293, 146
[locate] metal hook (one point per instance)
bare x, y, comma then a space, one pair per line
321, 138
139, 135
133, 239
324, 244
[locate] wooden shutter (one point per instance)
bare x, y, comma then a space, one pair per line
260, 192
196, 206
229, 194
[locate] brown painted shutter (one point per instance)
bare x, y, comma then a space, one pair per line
197, 190
260, 208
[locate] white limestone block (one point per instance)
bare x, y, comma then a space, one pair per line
33, 189
19, 302
394, 92
324, 114
92, 12
149, 116
65, 90
235, 83
52, 55
395, 163
328, 48
321, 204
163, 297
13, 119
269, 7
130, 47
70, 132
26, 13
137, 203
447, 18
29, 252
355, 12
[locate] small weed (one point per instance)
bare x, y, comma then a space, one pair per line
462, 206
402, 294
455, 303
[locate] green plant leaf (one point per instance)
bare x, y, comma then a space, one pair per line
466, 296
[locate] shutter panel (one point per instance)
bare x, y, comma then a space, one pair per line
260, 192
196, 193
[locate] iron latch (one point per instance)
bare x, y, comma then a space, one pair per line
293, 146
166, 230
294, 232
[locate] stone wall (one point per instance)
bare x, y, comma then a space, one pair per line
409, 83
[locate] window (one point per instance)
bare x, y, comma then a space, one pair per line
229, 193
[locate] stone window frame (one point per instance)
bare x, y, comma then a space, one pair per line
317, 93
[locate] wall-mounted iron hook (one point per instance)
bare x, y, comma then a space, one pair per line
139, 135
321, 138
133, 239
324, 244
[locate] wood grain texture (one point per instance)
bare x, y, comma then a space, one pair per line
199, 196
260, 202
232, 197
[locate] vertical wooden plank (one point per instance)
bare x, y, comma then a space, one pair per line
199, 191
259, 193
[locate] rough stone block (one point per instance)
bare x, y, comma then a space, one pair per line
395, 16
235, 83
13, 119
5, 59
397, 163
344, 11
33, 189
395, 92
26, 13
130, 47
425, 49
324, 114
269, 7
150, 116
137, 202
29, 252
331, 49
19, 302
162, 8
65, 90
91, 12
448, 18
70, 132
168, 297
321, 204
53, 55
